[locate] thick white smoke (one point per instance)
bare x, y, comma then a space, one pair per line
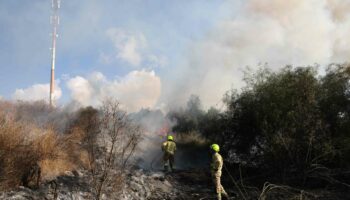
276, 32
129, 46
37, 92
138, 89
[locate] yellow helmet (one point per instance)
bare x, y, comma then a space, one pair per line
215, 147
170, 137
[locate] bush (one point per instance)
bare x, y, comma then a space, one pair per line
17, 154
25, 147
290, 121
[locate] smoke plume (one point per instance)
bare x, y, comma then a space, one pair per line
129, 46
276, 32
37, 92
138, 89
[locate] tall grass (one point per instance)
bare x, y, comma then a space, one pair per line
24, 145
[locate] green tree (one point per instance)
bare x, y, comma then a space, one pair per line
335, 105
276, 122
188, 119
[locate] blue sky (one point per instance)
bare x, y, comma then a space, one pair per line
168, 26
156, 53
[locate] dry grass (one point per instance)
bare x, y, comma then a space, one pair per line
60, 153
23, 146
192, 138
16, 153
32, 141
272, 191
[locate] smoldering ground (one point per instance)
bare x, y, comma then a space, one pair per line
192, 148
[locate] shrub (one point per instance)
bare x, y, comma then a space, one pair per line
24, 146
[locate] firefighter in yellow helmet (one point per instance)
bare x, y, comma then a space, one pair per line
169, 148
216, 171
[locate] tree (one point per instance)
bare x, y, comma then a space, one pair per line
117, 139
335, 105
87, 120
188, 119
276, 122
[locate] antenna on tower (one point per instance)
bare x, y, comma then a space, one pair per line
56, 4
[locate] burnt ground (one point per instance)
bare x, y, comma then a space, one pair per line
182, 185
191, 184
196, 184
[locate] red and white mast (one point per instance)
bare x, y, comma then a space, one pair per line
54, 21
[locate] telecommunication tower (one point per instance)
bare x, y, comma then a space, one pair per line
55, 20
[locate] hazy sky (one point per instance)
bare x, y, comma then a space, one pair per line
155, 53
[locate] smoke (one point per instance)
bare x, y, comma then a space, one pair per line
276, 32
155, 127
132, 48
192, 148
37, 92
339, 10
138, 89
129, 46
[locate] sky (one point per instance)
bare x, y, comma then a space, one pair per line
156, 53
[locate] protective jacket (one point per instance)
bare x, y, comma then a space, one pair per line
216, 164
216, 171
169, 147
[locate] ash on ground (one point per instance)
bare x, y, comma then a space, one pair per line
191, 184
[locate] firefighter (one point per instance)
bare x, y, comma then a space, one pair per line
169, 148
216, 171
